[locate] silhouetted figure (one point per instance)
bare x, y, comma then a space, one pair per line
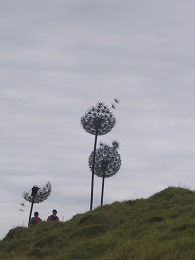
35, 220
54, 216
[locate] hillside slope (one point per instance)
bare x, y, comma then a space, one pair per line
160, 227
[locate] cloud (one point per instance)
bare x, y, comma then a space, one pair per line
59, 59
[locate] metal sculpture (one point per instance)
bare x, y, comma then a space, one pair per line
98, 120
21, 206
37, 195
107, 164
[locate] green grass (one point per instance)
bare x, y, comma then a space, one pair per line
160, 227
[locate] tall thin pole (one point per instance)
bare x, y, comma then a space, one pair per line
31, 210
93, 169
103, 179
33, 194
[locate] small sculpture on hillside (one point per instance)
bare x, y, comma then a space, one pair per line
37, 195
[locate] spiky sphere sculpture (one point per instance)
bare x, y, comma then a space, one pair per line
108, 160
98, 120
42, 194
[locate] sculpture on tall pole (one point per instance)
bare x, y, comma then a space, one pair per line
107, 164
98, 120
37, 195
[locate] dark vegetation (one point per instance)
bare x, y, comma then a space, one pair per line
160, 227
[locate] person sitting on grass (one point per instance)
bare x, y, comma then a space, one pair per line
53, 217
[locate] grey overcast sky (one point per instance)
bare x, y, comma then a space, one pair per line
59, 58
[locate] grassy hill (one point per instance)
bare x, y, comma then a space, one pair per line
160, 227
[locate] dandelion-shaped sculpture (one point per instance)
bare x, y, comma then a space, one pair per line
98, 120
37, 195
107, 164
